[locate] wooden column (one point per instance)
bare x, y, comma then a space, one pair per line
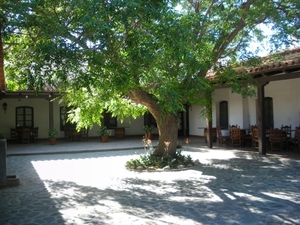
51, 120
208, 96
262, 147
209, 133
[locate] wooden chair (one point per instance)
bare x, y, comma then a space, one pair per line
277, 139
68, 134
25, 136
34, 136
254, 134
222, 139
75, 135
13, 135
247, 138
84, 134
288, 130
235, 135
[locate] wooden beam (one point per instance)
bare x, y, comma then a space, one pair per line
17, 95
262, 147
282, 76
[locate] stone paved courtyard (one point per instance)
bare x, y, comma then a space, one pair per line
229, 187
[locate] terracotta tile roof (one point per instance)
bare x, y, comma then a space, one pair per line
290, 62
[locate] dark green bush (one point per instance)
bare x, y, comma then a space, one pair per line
150, 160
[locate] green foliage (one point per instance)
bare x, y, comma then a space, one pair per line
52, 133
151, 160
103, 131
149, 129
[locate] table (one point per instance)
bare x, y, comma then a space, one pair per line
119, 132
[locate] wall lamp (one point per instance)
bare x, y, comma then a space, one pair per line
4, 106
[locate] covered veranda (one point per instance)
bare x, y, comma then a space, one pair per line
270, 70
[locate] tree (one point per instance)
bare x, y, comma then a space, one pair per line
127, 56
2, 77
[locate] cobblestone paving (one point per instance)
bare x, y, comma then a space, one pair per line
229, 187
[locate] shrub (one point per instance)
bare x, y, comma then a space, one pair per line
150, 160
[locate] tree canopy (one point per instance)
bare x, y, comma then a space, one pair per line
128, 55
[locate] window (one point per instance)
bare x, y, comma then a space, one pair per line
24, 116
223, 114
109, 120
269, 118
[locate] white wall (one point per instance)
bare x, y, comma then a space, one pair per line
286, 101
41, 118
286, 106
41, 115
252, 107
134, 126
196, 123
236, 107
219, 96
235, 110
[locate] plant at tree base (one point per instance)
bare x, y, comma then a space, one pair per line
147, 145
152, 161
167, 144
187, 140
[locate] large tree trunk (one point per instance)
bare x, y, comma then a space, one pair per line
167, 124
168, 134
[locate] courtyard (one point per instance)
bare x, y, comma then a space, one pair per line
230, 186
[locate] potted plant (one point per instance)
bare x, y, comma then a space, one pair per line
149, 131
104, 133
52, 133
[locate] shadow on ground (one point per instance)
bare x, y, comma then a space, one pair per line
243, 189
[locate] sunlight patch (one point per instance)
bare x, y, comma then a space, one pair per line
96, 172
230, 196
250, 197
283, 196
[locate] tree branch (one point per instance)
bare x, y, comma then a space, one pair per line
145, 99
201, 33
220, 48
